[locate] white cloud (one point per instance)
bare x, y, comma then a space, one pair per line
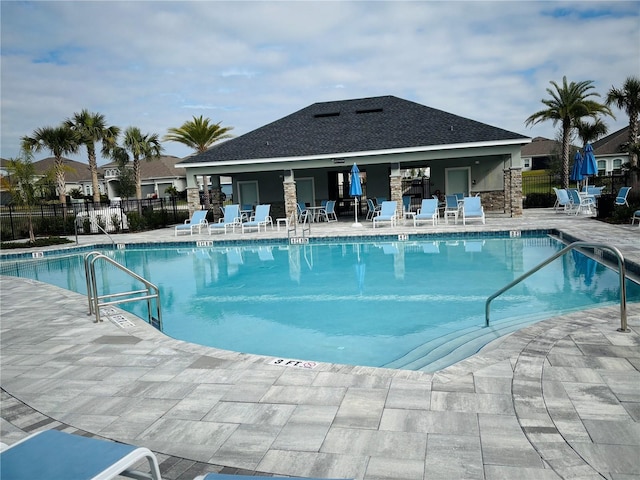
156, 64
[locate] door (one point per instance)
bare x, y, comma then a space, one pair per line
457, 180
248, 193
305, 191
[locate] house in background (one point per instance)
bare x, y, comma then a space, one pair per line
307, 156
609, 152
156, 176
538, 155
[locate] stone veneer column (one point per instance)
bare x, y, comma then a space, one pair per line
290, 196
513, 191
216, 202
193, 199
395, 182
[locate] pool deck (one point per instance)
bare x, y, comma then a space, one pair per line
559, 399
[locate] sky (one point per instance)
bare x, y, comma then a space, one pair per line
157, 64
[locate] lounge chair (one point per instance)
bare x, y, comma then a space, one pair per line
472, 208
329, 212
232, 219
372, 209
451, 208
580, 203
621, 198
387, 213
53, 454
197, 221
562, 200
260, 219
428, 211
303, 214
406, 203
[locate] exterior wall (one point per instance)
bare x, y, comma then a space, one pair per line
513, 192
193, 199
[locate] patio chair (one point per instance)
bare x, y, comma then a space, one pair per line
636, 217
621, 198
428, 211
54, 454
329, 212
372, 209
232, 218
451, 208
197, 221
562, 200
580, 203
472, 208
303, 214
406, 203
260, 219
387, 213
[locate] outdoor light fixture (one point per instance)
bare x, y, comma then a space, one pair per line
338, 160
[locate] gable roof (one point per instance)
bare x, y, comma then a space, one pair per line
610, 145
163, 167
540, 147
360, 125
75, 172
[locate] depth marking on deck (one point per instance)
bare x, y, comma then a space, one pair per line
287, 362
121, 321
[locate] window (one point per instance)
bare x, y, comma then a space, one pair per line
602, 167
617, 165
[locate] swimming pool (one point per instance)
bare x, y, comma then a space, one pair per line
415, 305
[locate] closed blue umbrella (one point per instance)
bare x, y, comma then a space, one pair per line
355, 190
576, 171
589, 164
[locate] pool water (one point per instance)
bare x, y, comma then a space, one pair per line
415, 305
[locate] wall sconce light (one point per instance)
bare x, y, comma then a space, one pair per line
473, 182
477, 162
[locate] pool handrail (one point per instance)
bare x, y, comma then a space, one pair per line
572, 246
150, 291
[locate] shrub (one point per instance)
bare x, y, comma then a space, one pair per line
539, 200
136, 221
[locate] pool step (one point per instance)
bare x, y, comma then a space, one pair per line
454, 346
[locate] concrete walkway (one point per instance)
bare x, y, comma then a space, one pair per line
560, 399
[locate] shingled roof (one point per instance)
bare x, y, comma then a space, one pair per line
75, 171
611, 144
162, 167
361, 125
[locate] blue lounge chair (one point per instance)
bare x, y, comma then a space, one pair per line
372, 209
387, 213
472, 208
621, 198
562, 200
260, 219
580, 203
406, 203
197, 221
303, 214
428, 211
57, 455
232, 219
451, 209
329, 211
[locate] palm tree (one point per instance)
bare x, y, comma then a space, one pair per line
200, 135
141, 147
568, 103
590, 132
627, 98
21, 186
59, 141
92, 128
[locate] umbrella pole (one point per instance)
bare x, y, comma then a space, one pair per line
356, 224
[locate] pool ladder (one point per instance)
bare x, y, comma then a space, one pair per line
573, 246
149, 293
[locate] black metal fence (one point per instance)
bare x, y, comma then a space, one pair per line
89, 217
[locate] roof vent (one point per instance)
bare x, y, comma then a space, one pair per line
369, 110
330, 114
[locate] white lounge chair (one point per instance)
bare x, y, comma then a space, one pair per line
232, 219
472, 208
562, 200
428, 211
197, 221
53, 454
387, 213
581, 203
260, 219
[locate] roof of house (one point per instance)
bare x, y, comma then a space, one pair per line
610, 145
162, 167
75, 171
360, 125
540, 147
